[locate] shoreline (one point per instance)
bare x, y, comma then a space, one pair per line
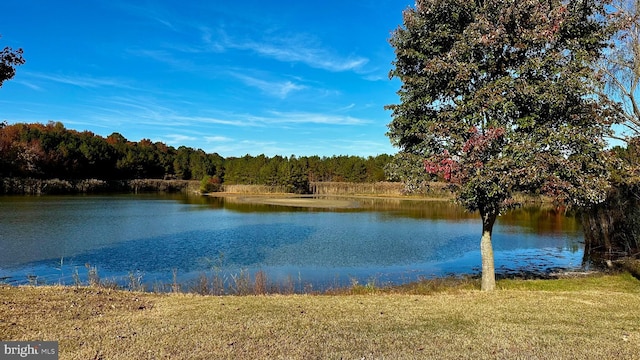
319, 201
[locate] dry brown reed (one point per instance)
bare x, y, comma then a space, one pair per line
254, 189
260, 284
346, 188
385, 188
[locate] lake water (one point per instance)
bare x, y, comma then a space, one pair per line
49, 239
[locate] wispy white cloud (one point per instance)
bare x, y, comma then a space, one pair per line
29, 85
148, 11
280, 89
165, 22
119, 109
276, 118
254, 147
300, 49
313, 118
217, 139
293, 50
376, 76
177, 139
311, 146
175, 113
212, 41
236, 120
83, 81
153, 113
345, 108
79, 124
164, 56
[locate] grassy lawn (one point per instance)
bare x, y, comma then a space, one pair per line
596, 317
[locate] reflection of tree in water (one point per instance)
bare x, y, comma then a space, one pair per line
542, 220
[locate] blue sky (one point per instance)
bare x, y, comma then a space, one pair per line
232, 77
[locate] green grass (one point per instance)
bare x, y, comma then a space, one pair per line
595, 317
623, 282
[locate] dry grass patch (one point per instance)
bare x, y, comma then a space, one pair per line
594, 321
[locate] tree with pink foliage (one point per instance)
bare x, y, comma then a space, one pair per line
499, 97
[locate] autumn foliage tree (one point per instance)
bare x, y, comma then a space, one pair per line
498, 97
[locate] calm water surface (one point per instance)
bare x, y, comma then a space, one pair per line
48, 239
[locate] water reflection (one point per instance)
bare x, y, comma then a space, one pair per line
389, 239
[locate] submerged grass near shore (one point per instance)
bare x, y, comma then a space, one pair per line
587, 317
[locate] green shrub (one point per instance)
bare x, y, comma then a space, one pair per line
209, 184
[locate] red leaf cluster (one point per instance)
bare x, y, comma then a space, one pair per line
478, 149
443, 164
481, 142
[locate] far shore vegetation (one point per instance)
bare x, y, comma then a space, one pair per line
50, 151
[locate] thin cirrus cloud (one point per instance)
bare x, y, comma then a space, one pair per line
314, 118
299, 48
249, 146
179, 139
237, 122
82, 81
164, 56
314, 57
291, 48
217, 139
274, 118
280, 89
30, 85
149, 110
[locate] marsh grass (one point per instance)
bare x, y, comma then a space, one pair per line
92, 275
201, 285
219, 282
348, 188
261, 283
216, 282
576, 318
241, 283
135, 281
253, 189
175, 285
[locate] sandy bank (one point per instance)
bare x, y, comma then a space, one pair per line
291, 200
314, 201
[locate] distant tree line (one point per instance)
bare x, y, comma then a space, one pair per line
52, 151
